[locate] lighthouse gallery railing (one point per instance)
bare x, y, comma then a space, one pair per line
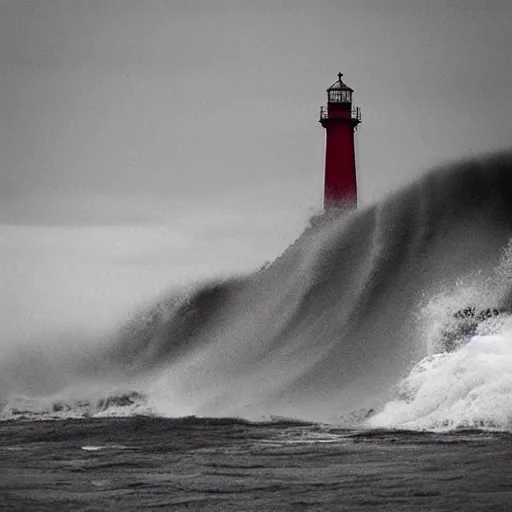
355, 113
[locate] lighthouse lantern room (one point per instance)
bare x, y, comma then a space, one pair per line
340, 120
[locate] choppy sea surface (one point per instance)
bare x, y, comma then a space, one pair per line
142, 463
368, 367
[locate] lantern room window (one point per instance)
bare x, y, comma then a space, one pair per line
339, 96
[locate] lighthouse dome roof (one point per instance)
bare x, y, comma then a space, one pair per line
340, 85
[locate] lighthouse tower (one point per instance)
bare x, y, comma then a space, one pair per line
340, 120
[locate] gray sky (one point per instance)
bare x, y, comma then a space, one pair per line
146, 142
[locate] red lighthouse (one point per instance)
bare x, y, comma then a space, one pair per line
340, 120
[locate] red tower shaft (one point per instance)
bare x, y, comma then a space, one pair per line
340, 121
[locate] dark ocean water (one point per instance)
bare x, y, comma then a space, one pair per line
386, 331
228, 465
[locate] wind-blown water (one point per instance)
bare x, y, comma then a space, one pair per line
355, 323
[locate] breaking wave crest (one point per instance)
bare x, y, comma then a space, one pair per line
396, 316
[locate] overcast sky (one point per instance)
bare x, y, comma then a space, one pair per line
147, 142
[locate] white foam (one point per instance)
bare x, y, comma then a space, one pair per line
97, 448
75, 404
471, 387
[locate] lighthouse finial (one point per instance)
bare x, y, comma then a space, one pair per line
340, 74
